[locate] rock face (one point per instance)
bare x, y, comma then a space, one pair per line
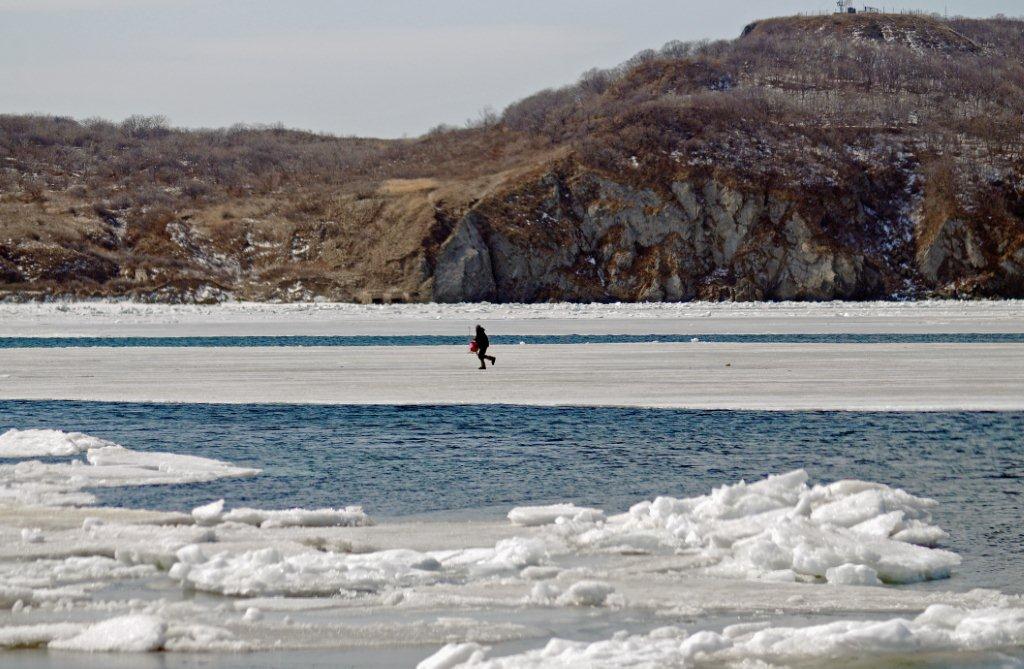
463, 272
567, 232
963, 256
591, 238
953, 251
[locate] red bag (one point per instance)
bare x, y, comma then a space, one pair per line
473, 348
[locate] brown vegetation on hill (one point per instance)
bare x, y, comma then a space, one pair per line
812, 158
910, 30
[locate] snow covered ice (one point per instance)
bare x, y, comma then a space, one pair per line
106, 465
940, 629
214, 514
42, 443
532, 516
130, 634
123, 318
267, 572
778, 529
273, 579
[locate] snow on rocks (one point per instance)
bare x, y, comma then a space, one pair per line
214, 514
940, 629
46, 443
782, 529
535, 516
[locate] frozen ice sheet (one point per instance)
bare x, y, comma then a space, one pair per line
37, 483
134, 319
701, 376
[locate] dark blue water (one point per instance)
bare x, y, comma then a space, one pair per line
399, 461
446, 340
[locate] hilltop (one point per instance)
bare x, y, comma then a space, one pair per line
914, 31
855, 157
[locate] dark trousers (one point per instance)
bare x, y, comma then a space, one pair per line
482, 354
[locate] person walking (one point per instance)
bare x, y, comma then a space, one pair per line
482, 343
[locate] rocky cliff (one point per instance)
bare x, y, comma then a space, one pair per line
811, 159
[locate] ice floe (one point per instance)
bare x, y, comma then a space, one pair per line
106, 465
131, 633
780, 544
214, 514
74, 570
780, 528
117, 465
34, 636
267, 571
533, 516
126, 634
46, 443
940, 629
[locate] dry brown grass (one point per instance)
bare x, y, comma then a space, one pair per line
781, 108
403, 186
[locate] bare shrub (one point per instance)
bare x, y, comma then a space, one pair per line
799, 88
33, 189
195, 189
144, 127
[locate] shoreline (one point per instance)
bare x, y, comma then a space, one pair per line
696, 318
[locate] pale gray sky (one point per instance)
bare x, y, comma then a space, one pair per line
365, 67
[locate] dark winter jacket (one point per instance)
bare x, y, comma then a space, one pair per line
482, 341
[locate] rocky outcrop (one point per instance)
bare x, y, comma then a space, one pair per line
577, 235
587, 237
952, 251
463, 270
912, 31
566, 232
1012, 272
974, 250
37, 261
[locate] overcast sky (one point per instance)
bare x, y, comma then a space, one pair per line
366, 67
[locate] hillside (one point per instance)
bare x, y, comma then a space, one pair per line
913, 30
855, 157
